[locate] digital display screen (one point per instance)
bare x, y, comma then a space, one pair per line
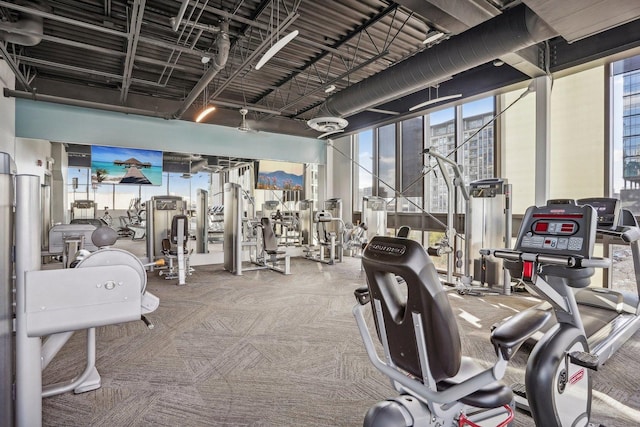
118, 165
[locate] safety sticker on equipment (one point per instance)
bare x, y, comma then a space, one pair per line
577, 376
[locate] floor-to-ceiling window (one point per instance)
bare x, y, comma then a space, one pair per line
442, 139
387, 165
625, 158
412, 145
625, 123
363, 171
476, 151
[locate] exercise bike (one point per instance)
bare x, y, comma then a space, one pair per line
422, 347
552, 255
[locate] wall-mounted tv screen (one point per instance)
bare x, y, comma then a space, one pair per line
118, 165
273, 175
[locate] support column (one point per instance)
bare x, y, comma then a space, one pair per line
543, 121
59, 204
28, 366
7, 170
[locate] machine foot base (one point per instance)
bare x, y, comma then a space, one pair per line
92, 382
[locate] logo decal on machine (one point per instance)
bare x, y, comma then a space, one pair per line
576, 377
387, 248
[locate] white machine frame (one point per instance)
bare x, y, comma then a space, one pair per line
109, 288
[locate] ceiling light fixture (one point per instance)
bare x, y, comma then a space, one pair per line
433, 37
435, 100
378, 110
276, 48
204, 113
330, 89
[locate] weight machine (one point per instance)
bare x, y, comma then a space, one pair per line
329, 232
487, 207
108, 287
240, 229
83, 209
160, 225
447, 244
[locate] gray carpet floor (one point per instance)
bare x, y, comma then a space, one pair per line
264, 349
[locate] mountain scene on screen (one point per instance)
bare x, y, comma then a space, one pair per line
279, 180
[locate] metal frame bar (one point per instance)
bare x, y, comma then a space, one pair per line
14, 67
336, 45
134, 37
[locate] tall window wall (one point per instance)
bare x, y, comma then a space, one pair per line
625, 121
412, 184
442, 138
387, 164
478, 139
119, 196
396, 150
364, 173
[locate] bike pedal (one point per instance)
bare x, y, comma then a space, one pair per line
519, 389
587, 360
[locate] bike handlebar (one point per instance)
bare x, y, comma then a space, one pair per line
570, 261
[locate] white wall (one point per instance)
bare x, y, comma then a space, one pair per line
27, 154
340, 177
7, 111
59, 202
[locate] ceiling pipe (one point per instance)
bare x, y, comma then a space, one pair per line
27, 22
85, 104
177, 20
511, 31
217, 64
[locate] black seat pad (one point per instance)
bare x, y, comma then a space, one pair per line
493, 395
275, 252
175, 252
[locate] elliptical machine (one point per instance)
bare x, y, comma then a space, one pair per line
552, 255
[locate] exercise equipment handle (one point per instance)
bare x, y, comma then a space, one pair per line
158, 263
566, 261
596, 262
562, 260
628, 235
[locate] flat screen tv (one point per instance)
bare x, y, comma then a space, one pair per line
275, 175
118, 165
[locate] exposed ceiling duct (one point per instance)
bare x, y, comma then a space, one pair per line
218, 63
30, 27
511, 31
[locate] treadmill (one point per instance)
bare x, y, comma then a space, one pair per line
609, 317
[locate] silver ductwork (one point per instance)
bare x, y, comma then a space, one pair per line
511, 31
219, 62
30, 26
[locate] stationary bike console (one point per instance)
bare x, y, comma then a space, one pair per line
557, 239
